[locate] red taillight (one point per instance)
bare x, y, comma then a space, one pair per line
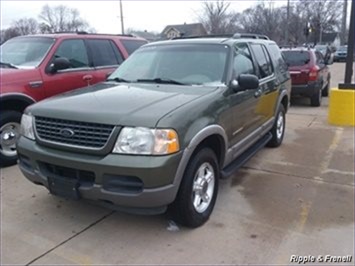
313, 74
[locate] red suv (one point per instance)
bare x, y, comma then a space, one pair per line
39, 66
309, 73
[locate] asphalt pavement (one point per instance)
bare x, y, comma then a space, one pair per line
296, 200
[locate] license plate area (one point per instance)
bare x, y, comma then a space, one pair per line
64, 187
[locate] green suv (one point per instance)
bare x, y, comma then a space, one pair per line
171, 121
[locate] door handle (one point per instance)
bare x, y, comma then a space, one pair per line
87, 78
258, 93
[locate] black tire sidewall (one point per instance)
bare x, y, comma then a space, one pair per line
186, 213
316, 99
7, 117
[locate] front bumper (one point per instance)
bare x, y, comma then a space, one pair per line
306, 90
122, 180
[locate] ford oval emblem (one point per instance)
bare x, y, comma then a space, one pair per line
67, 132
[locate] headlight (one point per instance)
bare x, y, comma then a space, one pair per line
27, 126
146, 141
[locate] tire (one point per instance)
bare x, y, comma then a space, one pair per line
189, 208
316, 99
325, 91
278, 130
9, 133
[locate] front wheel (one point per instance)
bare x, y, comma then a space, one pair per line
9, 133
278, 130
198, 190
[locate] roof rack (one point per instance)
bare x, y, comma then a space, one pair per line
250, 36
234, 36
204, 36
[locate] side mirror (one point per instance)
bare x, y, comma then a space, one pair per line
59, 63
245, 82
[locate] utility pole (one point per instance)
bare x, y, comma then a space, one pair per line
121, 12
349, 59
343, 22
287, 23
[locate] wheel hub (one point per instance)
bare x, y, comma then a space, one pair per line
280, 126
9, 134
203, 187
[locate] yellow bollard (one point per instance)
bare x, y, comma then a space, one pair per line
341, 107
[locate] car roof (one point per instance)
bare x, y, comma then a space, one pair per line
83, 35
208, 40
298, 49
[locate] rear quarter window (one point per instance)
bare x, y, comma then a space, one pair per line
277, 58
297, 58
132, 45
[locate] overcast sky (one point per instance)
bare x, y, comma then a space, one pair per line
104, 15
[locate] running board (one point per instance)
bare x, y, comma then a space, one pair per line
244, 157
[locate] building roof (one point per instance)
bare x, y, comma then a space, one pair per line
150, 36
186, 29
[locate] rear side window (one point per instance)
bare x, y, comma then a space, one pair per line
263, 60
276, 55
104, 53
132, 45
297, 58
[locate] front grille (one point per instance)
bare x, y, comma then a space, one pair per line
85, 178
91, 135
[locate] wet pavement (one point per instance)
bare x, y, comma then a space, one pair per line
294, 200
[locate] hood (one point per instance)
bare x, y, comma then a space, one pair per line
119, 104
23, 76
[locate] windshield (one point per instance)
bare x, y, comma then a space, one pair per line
184, 64
296, 58
25, 52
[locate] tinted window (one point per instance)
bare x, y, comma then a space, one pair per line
263, 60
243, 63
276, 55
75, 52
103, 53
296, 58
132, 45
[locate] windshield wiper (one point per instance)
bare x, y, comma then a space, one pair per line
117, 79
9, 65
162, 81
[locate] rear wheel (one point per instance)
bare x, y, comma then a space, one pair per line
9, 133
316, 98
278, 130
198, 190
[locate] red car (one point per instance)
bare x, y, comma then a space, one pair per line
39, 66
309, 73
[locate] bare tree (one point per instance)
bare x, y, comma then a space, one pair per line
61, 18
26, 26
324, 16
263, 19
217, 18
9, 33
